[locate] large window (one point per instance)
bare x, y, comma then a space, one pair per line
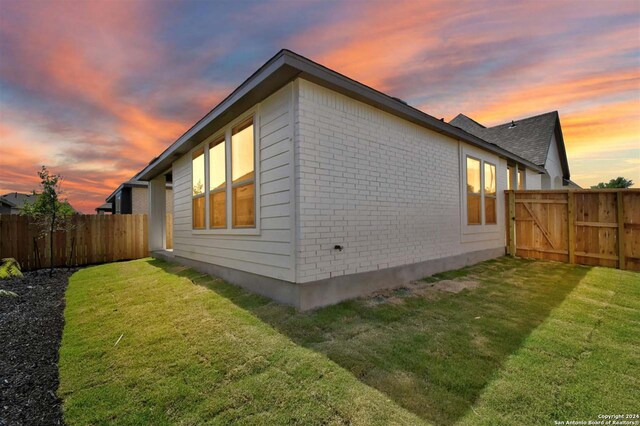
198, 182
224, 181
217, 184
481, 192
474, 195
242, 175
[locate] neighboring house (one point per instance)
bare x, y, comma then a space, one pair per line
104, 208
538, 139
13, 202
311, 188
132, 197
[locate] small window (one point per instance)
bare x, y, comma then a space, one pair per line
520, 179
217, 185
474, 207
489, 194
243, 179
198, 205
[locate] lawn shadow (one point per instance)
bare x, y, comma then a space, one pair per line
430, 351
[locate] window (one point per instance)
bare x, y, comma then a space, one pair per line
474, 197
224, 194
520, 179
198, 207
489, 194
511, 171
217, 184
242, 176
481, 192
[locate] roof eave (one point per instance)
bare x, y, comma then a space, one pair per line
274, 74
285, 67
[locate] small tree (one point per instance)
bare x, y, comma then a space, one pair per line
48, 211
619, 182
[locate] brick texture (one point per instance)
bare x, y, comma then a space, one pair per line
385, 189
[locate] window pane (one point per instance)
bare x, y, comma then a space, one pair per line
218, 210
490, 210
242, 153
473, 176
217, 171
197, 166
473, 209
489, 179
198, 213
243, 206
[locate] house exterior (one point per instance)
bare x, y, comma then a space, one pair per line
106, 208
13, 202
538, 139
132, 197
310, 188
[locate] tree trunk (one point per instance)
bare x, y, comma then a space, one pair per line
53, 227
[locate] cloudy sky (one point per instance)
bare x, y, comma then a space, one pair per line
96, 89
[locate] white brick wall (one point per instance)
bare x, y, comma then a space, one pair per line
384, 188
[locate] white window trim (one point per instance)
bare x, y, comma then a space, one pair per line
226, 132
482, 228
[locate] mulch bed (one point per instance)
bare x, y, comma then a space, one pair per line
30, 333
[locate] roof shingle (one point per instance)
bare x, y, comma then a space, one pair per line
529, 138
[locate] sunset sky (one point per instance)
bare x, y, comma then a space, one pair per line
96, 89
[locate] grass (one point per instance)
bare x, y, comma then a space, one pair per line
533, 343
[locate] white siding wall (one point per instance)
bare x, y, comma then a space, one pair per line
533, 179
554, 167
384, 188
271, 252
140, 200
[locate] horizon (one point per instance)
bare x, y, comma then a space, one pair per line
97, 90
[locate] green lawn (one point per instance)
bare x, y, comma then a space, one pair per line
532, 343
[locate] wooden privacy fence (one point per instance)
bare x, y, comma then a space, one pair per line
589, 227
88, 239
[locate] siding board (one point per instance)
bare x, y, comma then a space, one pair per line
269, 253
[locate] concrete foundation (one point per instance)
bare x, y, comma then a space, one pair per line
333, 290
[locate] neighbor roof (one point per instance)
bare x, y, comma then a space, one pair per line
529, 138
17, 199
105, 207
284, 67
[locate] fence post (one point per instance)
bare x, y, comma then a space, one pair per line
512, 223
621, 249
571, 215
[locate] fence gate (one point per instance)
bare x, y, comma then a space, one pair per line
589, 227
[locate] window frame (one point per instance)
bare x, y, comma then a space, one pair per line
474, 194
250, 181
225, 133
481, 231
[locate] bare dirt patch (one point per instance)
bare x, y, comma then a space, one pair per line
421, 288
453, 286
